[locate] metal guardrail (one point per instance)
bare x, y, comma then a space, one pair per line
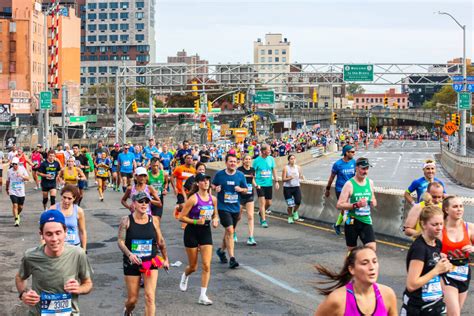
456, 157
316, 152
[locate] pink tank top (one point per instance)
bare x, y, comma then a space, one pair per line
351, 304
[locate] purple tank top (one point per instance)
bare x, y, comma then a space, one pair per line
351, 304
147, 191
202, 209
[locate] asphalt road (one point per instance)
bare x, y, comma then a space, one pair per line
277, 277
395, 165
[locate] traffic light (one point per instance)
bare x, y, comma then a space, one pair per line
254, 107
385, 101
134, 107
315, 96
194, 88
209, 106
334, 117
453, 117
196, 106
458, 119
242, 98
236, 98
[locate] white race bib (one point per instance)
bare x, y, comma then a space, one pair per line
56, 304
460, 273
432, 291
231, 197
142, 247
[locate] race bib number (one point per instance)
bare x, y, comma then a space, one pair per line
363, 211
142, 247
186, 175
249, 188
231, 197
265, 173
432, 290
126, 163
158, 186
460, 273
17, 185
290, 202
56, 304
115, 162
71, 236
101, 172
51, 174
206, 211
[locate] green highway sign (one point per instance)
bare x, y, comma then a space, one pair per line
78, 119
172, 110
464, 100
92, 118
361, 72
45, 100
264, 97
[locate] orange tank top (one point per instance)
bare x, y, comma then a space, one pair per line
450, 246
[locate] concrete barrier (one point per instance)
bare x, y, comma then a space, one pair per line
458, 167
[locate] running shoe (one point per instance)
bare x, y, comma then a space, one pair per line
235, 237
337, 229
268, 211
264, 224
17, 222
290, 220
102, 199
204, 300
183, 285
233, 263
296, 216
251, 241
125, 312
221, 255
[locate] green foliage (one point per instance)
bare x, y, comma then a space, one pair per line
354, 88
373, 122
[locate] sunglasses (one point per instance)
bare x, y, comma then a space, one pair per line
352, 152
14, 164
143, 201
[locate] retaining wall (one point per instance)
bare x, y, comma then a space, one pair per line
460, 168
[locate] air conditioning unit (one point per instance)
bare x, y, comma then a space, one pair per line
12, 85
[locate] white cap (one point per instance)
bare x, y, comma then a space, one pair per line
140, 171
15, 160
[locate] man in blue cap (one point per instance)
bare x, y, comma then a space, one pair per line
342, 170
60, 272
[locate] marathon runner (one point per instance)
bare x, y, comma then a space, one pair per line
60, 272
188, 184
126, 166
420, 185
114, 153
82, 163
89, 167
342, 170
291, 176
15, 188
165, 158
48, 171
102, 171
71, 174
457, 239
246, 198
183, 152
158, 179
358, 198
265, 175
179, 176
141, 180
76, 233
423, 294
150, 151
228, 183
139, 235
356, 291
198, 212
37, 158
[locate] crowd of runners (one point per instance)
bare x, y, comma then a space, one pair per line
438, 272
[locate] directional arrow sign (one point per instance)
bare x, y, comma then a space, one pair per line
470, 83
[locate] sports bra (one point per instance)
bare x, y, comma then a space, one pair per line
450, 246
352, 309
71, 178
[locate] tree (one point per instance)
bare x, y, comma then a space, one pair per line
355, 88
373, 122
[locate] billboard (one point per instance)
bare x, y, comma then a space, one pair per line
20, 102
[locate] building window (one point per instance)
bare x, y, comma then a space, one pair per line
91, 16
114, 57
143, 58
102, 27
92, 49
83, 8
139, 37
113, 16
103, 57
92, 80
357, 100
262, 52
139, 15
124, 38
91, 38
83, 80
102, 5
102, 38
93, 58
83, 49
124, 5
102, 16
140, 4
92, 6
113, 5
92, 69
269, 52
102, 69
92, 27
124, 57
113, 69
83, 58
113, 27
277, 51
103, 49
143, 48
12, 27
283, 59
277, 59
113, 38
124, 27
270, 59
283, 51
113, 49
140, 26
83, 70
125, 49
124, 15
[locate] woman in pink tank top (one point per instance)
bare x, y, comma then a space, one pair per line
355, 292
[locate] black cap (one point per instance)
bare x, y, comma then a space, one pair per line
140, 196
363, 162
202, 177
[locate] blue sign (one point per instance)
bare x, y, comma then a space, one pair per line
458, 87
470, 87
457, 78
470, 78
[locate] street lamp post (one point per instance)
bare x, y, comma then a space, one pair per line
462, 130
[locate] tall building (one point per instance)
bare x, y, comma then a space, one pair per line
273, 55
115, 33
201, 66
369, 100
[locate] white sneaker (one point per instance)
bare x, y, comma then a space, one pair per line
204, 300
183, 285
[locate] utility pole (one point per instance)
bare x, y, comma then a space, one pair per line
64, 112
150, 116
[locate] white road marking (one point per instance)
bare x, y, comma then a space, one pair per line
396, 166
277, 282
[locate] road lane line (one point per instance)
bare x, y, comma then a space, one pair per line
388, 243
277, 282
396, 166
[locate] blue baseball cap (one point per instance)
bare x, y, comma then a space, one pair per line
52, 216
346, 148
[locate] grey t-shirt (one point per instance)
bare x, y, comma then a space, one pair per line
49, 274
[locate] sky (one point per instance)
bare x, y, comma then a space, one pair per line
337, 31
